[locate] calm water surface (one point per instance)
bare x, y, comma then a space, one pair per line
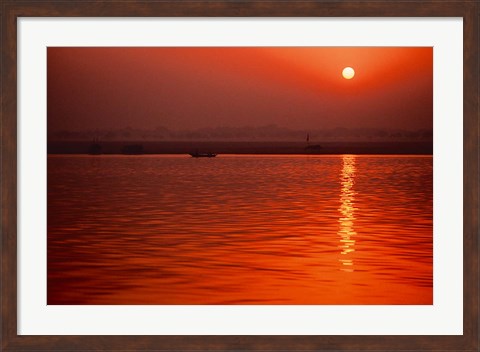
171, 229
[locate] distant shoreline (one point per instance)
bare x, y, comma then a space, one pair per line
274, 148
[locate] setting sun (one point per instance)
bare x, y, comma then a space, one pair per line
348, 73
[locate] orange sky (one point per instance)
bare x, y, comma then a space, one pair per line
189, 88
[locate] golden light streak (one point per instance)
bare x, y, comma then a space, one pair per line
347, 211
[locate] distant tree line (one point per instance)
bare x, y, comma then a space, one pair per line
246, 133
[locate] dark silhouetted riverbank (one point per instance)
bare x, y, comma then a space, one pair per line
416, 148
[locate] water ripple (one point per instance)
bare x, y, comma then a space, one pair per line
240, 230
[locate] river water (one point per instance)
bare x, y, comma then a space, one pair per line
240, 229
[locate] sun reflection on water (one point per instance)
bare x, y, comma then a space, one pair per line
246, 230
347, 213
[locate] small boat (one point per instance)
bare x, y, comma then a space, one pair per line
203, 155
315, 148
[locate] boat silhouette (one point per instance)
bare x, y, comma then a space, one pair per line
203, 155
315, 148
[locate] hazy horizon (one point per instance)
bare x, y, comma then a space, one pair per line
245, 133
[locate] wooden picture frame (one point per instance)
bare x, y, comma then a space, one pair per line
12, 10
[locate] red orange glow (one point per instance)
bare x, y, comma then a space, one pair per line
204, 87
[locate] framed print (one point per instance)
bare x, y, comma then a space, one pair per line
248, 175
